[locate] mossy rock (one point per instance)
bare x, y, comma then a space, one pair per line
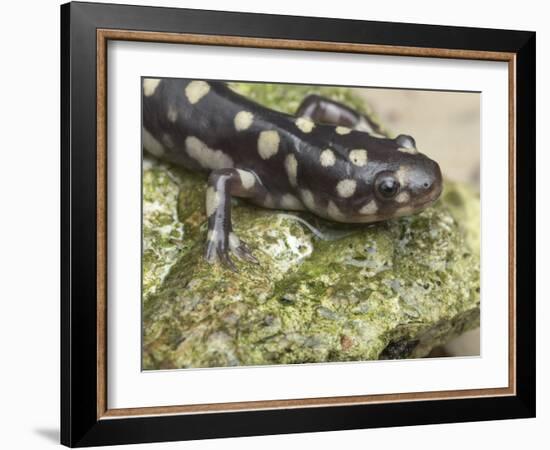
322, 292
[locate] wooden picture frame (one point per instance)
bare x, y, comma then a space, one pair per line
86, 418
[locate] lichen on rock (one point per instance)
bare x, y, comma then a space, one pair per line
322, 292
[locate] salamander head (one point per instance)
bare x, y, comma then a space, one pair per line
408, 188
380, 179
403, 181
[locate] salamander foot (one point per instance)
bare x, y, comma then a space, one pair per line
218, 249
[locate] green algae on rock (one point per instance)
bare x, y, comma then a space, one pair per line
363, 296
162, 230
322, 292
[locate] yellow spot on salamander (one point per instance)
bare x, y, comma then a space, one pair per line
305, 124
247, 179
370, 208
402, 175
152, 145
150, 86
289, 201
346, 188
243, 120
308, 199
358, 157
196, 90
403, 197
291, 166
327, 158
268, 143
205, 156
343, 130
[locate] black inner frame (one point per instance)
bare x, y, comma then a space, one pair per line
79, 424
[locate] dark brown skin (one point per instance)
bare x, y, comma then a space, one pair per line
320, 161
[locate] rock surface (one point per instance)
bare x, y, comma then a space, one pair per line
322, 291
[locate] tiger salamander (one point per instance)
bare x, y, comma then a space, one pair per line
327, 159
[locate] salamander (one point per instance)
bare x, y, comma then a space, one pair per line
327, 159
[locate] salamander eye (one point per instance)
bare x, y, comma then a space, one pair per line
386, 186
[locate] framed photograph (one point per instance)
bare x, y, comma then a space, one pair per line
277, 224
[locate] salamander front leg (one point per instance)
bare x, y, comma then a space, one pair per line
324, 110
222, 185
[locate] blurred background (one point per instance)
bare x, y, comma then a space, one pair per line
446, 127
